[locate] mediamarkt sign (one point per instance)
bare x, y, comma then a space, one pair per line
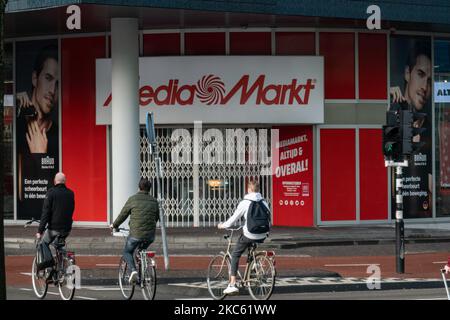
227, 89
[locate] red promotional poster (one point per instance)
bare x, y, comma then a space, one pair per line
293, 199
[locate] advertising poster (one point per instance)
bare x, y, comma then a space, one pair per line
37, 132
444, 148
410, 88
293, 199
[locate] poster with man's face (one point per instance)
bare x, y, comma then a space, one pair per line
37, 142
411, 88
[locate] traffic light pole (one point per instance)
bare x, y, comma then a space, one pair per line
399, 224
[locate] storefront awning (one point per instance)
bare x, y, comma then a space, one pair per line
432, 11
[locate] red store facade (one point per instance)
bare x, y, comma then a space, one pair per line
330, 172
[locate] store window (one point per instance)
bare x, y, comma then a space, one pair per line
8, 115
442, 125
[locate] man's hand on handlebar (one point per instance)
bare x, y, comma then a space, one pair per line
447, 269
38, 235
220, 226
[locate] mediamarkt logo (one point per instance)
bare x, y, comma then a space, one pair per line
210, 90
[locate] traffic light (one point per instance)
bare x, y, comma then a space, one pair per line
392, 136
412, 130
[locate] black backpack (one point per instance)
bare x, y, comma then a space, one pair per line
258, 217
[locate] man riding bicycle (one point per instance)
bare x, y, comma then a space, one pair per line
57, 212
247, 238
143, 211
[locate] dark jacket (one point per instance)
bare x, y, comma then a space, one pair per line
144, 214
57, 212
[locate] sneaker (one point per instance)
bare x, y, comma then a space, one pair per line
133, 277
231, 289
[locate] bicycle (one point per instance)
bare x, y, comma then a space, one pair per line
58, 273
146, 266
259, 275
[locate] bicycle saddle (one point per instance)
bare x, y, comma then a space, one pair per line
59, 242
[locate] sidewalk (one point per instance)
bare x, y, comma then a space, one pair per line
95, 241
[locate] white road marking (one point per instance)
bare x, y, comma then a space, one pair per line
26, 274
194, 299
85, 298
102, 288
26, 289
316, 281
352, 265
440, 262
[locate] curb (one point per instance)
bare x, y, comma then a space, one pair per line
93, 246
164, 286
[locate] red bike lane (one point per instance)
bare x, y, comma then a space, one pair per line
422, 265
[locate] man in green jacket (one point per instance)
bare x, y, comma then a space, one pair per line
143, 211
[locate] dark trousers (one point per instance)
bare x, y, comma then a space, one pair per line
132, 244
59, 237
242, 244
52, 235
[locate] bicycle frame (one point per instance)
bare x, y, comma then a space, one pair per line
60, 252
141, 257
251, 255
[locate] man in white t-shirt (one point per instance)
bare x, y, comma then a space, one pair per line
247, 238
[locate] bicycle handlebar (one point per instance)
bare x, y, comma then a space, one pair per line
232, 229
120, 230
28, 223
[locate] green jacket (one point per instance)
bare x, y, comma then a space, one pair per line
144, 214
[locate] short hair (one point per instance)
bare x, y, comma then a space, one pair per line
144, 185
254, 185
48, 52
421, 48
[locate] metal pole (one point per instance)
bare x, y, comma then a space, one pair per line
161, 209
399, 224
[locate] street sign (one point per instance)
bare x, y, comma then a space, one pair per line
150, 128
153, 147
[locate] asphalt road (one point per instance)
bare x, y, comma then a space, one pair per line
422, 261
113, 293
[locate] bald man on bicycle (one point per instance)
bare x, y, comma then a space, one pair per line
57, 211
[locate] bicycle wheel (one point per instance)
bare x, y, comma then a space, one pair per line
261, 280
149, 282
66, 281
218, 276
126, 287
40, 284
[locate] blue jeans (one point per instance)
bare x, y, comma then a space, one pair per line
132, 244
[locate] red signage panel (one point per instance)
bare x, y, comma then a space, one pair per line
293, 199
